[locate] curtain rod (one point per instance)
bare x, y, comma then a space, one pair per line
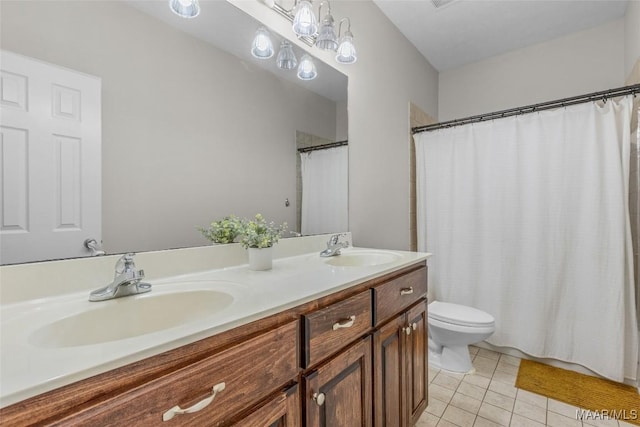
603, 95
323, 146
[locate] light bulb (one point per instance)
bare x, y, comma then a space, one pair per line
262, 47
304, 20
307, 69
185, 8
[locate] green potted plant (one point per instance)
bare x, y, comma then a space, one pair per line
226, 230
258, 236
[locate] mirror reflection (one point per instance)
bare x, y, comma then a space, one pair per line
192, 127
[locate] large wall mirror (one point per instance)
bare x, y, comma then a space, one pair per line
193, 128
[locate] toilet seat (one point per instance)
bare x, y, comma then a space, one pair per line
460, 315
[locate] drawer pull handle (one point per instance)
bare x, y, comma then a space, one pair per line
177, 410
406, 291
347, 323
319, 398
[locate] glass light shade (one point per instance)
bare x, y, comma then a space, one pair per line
185, 8
262, 47
305, 22
346, 53
307, 69
327, 39
286, 59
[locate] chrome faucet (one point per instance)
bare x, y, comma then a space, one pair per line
126, 281
334, 245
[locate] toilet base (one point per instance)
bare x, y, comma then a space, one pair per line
453, 358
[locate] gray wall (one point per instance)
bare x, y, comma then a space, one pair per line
631, 36
576, 64
389, 74
190, 133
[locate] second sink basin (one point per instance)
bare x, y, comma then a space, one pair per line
132, 316
367, 258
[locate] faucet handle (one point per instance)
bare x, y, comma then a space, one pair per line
125, 263
335, 239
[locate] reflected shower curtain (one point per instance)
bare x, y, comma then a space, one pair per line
527, 218
325, 190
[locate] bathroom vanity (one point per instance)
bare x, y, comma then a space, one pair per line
338, 341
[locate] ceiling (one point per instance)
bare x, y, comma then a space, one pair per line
466, 31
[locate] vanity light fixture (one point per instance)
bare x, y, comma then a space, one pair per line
307, 69
286, 59
185, 8
305, 26
327, 39
262, 46
305, 22
346, 53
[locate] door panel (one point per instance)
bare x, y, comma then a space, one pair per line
417, 365
338, 393
50, 177
388, 368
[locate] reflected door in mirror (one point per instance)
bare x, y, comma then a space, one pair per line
50, 161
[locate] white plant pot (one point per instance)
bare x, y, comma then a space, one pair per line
260, 258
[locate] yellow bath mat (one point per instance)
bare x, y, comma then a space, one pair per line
594, 394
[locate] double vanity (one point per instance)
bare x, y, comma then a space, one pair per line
316, 341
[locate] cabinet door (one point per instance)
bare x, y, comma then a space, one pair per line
388, 374
417, 367
338, 393
281, 411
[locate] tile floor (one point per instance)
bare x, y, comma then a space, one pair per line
489, 398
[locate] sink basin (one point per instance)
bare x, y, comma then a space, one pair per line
363, 258
132, 316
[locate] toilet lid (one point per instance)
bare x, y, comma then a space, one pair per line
459, 314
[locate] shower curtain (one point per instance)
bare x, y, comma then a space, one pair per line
325, 190
527, 218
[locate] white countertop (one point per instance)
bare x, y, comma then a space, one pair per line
28, 369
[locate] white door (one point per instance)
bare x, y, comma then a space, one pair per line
50, 167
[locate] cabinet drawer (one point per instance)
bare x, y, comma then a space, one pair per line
329, 329
394, 296
249, 371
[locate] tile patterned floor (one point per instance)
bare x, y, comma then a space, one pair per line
489, 398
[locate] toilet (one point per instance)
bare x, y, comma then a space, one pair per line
452, 327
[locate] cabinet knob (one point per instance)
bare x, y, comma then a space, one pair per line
319, 398
414, 326
406, 291
407, 330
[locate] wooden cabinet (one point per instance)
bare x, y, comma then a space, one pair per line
356, 357
400, 368
400, 350
416, 362
389, 373
329, 329
338, 392
208, 392
283, 410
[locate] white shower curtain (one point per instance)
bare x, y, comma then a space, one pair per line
527, 218
325, 190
